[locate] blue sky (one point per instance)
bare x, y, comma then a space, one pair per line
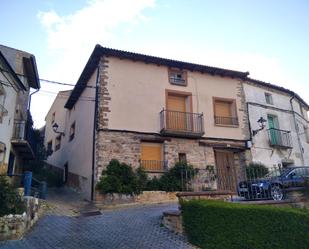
267, 38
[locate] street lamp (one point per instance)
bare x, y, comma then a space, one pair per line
55, 129
262, 124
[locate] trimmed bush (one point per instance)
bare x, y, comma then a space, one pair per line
256, 170
10, 200
216, 224
120, 178
175, 179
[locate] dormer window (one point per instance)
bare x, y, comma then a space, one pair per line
177, 77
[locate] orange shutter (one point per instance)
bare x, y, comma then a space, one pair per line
151, 156
223, 109
176, 103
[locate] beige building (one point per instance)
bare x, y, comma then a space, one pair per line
150, 112
18, 73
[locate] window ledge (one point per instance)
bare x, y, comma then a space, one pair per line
226, 125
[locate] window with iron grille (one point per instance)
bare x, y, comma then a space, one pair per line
225, 112
177, 77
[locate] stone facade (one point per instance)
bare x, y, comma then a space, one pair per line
126, 147
14, 226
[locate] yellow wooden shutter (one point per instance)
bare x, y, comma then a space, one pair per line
176, 103
151, 152
151, 156
223, 109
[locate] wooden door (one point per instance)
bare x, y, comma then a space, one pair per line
273, 124
226, 174
176, 117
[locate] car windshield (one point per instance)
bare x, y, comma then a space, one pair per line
277, 172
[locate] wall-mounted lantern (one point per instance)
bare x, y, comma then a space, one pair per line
55, 129
262, 124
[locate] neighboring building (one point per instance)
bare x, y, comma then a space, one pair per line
285, 139
151, 112
18, 73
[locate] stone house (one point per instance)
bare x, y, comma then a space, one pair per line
18, 73
285, 139
150, 112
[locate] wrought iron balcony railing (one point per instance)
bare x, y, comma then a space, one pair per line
279, 138
181, 123
154, 165
226, 120
23, 138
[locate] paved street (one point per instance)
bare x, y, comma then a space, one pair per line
135, 227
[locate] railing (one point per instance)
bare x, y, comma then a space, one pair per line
226, 120
279, 138
181, 123
154, 165
23, 132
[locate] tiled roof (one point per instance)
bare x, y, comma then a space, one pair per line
100, 51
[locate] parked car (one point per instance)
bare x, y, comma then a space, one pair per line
273, 184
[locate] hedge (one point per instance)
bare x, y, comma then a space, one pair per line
216, 224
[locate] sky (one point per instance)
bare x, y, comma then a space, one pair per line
270, 39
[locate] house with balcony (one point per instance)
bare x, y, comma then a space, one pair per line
18, 74
279, 125
151, 112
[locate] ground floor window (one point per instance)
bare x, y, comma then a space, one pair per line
152, 156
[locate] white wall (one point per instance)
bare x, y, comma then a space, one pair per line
8, 101
261, 151
78, 152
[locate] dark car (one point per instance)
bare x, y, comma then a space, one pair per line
272, 185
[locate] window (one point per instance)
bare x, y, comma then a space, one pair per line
53, 117
306, 131
49, 146
301, 109
72, 131
225, 111
58, 143
177, 77
182, 157
269, 98
151, 156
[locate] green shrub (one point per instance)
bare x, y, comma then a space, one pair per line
256, 170
10, 200
216, 224
176, 179
120, 178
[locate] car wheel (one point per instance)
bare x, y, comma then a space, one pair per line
276, 193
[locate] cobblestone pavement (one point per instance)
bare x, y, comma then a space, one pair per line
135, 227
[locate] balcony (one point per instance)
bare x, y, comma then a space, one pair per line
232, 121
154, 166
181, 124
22, 139
279, 138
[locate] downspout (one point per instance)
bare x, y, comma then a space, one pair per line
30, 95
95, 127
295, 123
249, 123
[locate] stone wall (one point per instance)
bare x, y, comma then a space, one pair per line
15, 226
126, 147
145, 197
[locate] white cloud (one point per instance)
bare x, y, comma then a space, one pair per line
71, 38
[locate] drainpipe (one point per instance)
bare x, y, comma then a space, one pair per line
298, 138
30, 95
95, 126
